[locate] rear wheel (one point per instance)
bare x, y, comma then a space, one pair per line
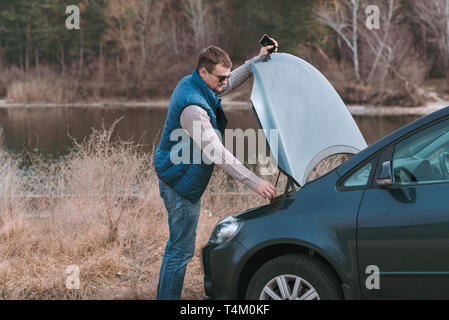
294, 277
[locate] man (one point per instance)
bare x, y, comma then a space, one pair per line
195, 101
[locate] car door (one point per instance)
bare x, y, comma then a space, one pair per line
403, 226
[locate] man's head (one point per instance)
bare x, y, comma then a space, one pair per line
214, 67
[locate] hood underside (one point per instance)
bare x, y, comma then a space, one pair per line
310, 119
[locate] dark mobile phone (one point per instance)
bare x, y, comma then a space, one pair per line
266, 41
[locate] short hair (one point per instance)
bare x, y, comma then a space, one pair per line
211, 56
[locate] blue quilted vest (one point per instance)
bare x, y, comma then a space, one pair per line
188, 179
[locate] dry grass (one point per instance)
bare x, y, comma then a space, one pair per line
102, 212
48, 84
52, 88
99, 209
43, 85
39, 90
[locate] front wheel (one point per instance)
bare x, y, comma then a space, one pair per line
294, 277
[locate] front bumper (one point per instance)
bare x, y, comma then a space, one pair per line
222, 266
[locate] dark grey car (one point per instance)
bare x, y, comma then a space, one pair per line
377, 226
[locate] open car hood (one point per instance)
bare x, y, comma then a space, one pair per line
311, 119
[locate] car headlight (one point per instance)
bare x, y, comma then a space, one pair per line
225, 230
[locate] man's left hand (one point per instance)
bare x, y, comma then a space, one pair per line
264, 50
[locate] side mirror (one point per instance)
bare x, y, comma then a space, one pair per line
385, 177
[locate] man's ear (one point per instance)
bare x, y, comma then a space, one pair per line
202, 72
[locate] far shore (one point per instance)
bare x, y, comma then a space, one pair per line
357, 110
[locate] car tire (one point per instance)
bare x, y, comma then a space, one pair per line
294, 277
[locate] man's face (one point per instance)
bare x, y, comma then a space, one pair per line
212, 79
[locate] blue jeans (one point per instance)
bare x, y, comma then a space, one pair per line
183, 218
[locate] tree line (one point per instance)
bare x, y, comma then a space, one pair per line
140, 48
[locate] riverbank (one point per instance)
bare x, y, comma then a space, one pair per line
433, 91
357, 110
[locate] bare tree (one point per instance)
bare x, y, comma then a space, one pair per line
389, 54
136, 27
148, 15
198, 14
381, 43
434, 17
344, 21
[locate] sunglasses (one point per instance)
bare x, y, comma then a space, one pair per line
220, 78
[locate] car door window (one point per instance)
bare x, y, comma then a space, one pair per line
423, 157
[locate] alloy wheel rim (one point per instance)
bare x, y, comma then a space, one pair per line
288, 287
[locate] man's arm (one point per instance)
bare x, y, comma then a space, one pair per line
242, 73
238, 76
230, 164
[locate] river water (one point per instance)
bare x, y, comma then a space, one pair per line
49, 128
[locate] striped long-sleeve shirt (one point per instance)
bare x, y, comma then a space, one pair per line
195, 114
